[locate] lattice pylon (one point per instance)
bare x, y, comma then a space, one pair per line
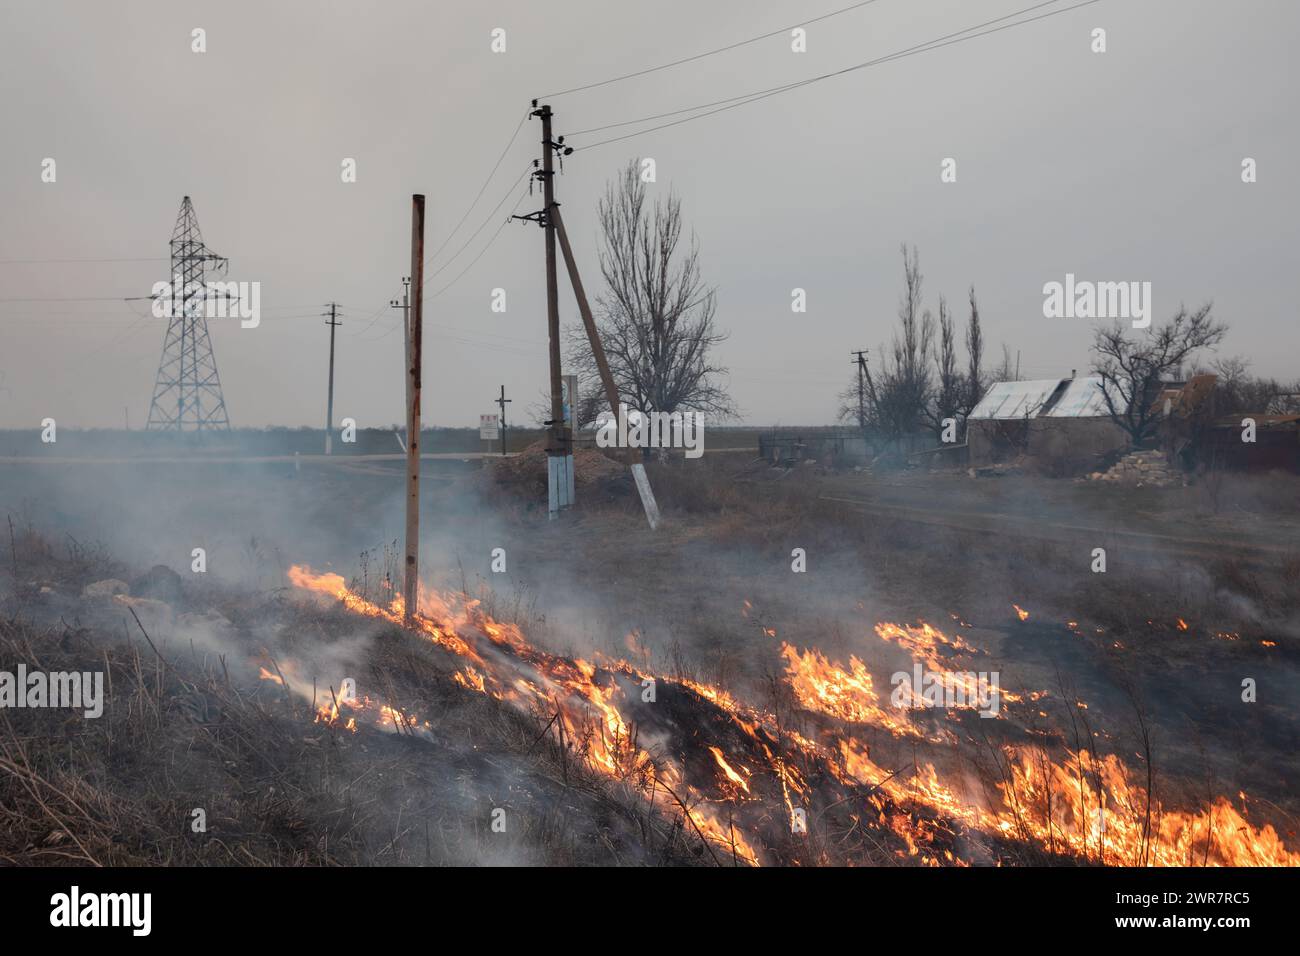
187, 393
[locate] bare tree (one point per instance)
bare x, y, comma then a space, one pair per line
655, 314
950, 386
1238, 391
899, 394
1132, 368
974, 357
906, 394
1006, 372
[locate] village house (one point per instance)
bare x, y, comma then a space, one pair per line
1061, 425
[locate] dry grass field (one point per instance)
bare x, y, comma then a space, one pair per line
1122, 738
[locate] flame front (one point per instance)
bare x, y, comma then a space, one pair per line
581, 700
1076, 805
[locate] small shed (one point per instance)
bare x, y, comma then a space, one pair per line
1276, 444
1062, 425
828, 446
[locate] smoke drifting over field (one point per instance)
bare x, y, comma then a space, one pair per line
786, 674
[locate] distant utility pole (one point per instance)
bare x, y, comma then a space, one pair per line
405, 306
502, 402
861, 363
333, 323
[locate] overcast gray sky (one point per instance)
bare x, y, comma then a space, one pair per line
1116, 166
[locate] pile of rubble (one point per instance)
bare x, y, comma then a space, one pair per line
998, 469
1143, 467
525, 472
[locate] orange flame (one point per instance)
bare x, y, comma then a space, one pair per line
1078, 805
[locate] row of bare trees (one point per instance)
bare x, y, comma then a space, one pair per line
919, 380
1239, 391
657, 319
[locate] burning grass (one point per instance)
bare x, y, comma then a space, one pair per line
233, 732
747, 785
593, 759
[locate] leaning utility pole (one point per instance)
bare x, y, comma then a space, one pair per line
602, 364
502, 402
411, 589
333, 323
861, 363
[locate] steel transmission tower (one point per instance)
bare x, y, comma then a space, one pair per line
187, 394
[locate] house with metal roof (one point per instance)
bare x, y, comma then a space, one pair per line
1060, 426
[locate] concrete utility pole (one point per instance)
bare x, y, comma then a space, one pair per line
502, 402
333, 323
861, 363
411, 589
559, 451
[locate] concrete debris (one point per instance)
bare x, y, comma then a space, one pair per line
1142, 468
998, 469
156, 616
105, 588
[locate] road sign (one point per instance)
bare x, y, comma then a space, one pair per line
488, 427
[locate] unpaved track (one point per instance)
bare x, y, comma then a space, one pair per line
1017, 526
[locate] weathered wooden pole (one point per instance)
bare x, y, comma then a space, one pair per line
411, 589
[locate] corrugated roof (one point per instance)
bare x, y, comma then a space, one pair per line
1014, 400
1083, 398
1008, 401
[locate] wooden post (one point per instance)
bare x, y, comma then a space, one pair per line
333, 323
406, 336
602, 364
411, 590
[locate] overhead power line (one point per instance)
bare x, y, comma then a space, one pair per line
373, 319
495, 209
504, 222
7, 262
82, 298
482, 189
708, 53
744, 99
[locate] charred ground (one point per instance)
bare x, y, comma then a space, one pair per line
707, 602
